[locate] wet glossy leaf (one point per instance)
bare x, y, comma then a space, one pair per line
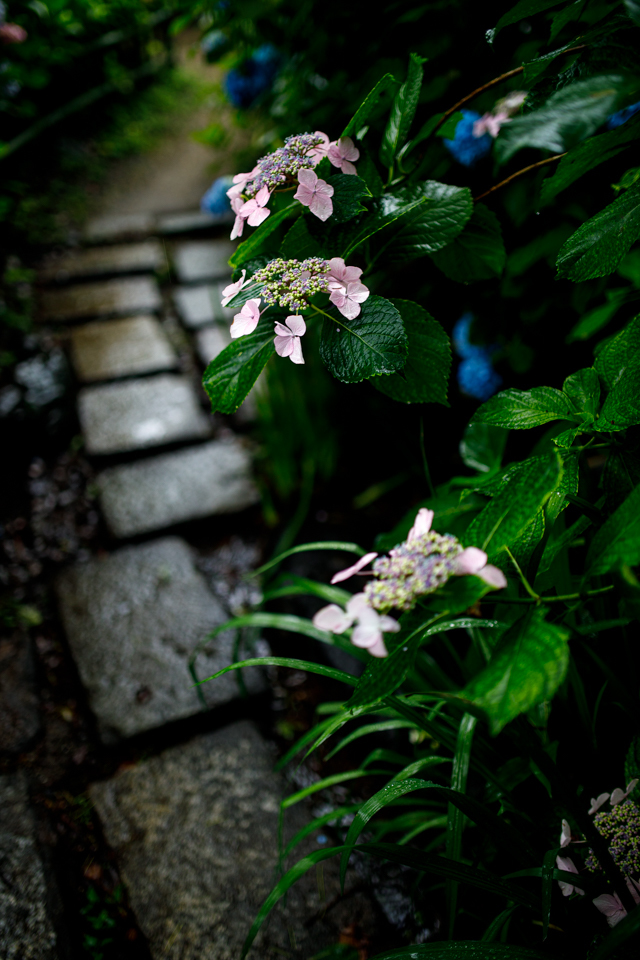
598, 246
522, 409
373, 343
230, 376
424, 377
478, 253
402, 112
618, 539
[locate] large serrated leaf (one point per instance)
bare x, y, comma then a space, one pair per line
522, 409
402, 113
477, 253
230, 376
618, 540
348, 190
616, 355
621, 409
482, 446
598, 246
387, 211
385, 87
569, 116
425, 375
588, 155
515, 505
432, 226
373, 343
528, 667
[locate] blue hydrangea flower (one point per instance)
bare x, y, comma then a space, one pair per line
244, 85
476, 376
460, 336
617, 119
215, 199
464, 147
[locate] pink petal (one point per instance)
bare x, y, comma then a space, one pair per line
284, 346
258, 215
324, 189
348, 149
337, 286
389, 625
296, 354
337, 268
321, 206
332, 618
262, 196
348, 308
378, 649
347, 167
611, 906
230, 291
358, 605
334, 155
282, 331
357, 291
247, 320
634, 888
565, 836
349, 571
422, 524
352, 273
469, 561
297, 325
307, 178
248, 207
238, 227
304, 195
493, 576
567, 864
366, 635
596, 804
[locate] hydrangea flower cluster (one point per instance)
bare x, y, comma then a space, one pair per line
476, 376
417, 567
290, 283
475, 134
620, 826
293, 163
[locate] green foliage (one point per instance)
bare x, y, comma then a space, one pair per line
425, 374
375, 342
230, 376
618, 540
402, 112
522, 409
598, 246
478, 253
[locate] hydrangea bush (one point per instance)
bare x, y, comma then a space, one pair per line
483, 612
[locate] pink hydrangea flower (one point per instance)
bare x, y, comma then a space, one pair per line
239, 181
342, 152
237, 203
287, 341
232, 289
348, 297
315, 194
567, 864
421, 525
611, 905
370, 625
474, 561
322, 149
598, 802
341, 273
254, 210
490, 123
354, 568
619, 795
12, 33
565, 834
247, 320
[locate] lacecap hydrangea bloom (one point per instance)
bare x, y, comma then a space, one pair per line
476, 376
415, 568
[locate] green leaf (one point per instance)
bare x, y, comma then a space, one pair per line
368, 172
432, 226
348, 190
386, 86
588, 155
318, 668
522, 10
523, 493
618, 353
621, 409
583, 390
477, 253
385, 212
365, 730
299, 243
569, 116
463, 950
527, 668
594, 320
230, 376
402, 112
598, 246
482, 446
425, 375
459, 594
374, 342
455, 816
522, 409
618, 539
251, 246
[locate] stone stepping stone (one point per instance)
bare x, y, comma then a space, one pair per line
211, 478
106, 298
192, 220
135, 414
202, 259
198, 306
211, 341
125, 258
119, 227
133, 619
26, 930
194, 831
108, 349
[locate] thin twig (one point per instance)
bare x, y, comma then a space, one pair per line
518, 173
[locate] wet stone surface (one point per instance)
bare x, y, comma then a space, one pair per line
19, 713
123, 258
195, 834
133, 619
200, 305
119, 227
202, 259
107, 298
211, 341
108, 349
133, 415
199, 481
26, 931
193, 220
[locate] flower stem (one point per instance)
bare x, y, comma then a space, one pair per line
425, 465
518, 173
542, 599
525, 582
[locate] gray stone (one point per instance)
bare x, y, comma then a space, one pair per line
135, 414
126, 258
192, 220
107, 298
119, 227
195, 834
106, 349
26, 931
211, 341
201, 305
19, 714
202, 259
133, 619
200, 481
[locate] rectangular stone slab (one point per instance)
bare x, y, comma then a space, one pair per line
195, 482
192, 220
106, 298
119, 227
194, 831
200, 305
135, 414
211, 341
133, 619
93, 261
26, 930
202, 259
107, 349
